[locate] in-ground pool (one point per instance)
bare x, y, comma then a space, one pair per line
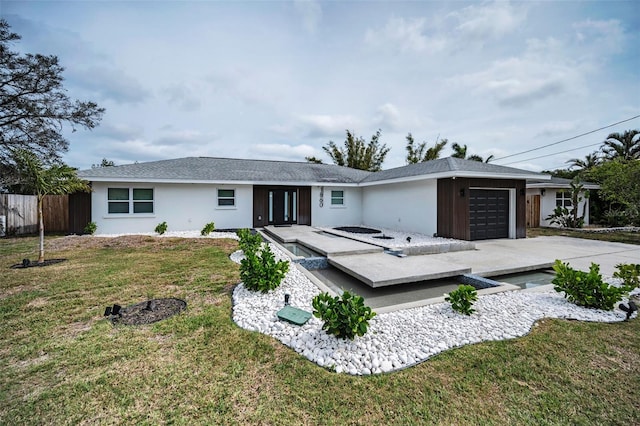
300, 250
528, 279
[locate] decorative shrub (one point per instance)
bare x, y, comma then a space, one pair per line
462, 299
90, 228
629, 274
208, 228
161, 228
586, 288
249, 242
260, 271
344, 317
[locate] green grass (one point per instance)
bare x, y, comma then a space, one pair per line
62, 363
615, 237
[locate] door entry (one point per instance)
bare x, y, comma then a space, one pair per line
283, 206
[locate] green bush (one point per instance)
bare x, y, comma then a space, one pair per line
344, 317
249, 242
208, 228
90, 228
462, 299
161, 228
629, 274
260, 271
586, 288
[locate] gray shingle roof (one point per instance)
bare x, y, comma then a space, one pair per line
233, 169
228, 169
448, 165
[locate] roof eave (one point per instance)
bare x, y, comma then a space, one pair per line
456, 174
214, 182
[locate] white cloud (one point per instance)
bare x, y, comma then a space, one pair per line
606, 36
388, 117
557, 127
285, 151
109, 83
325, 125
183, 96
480, 23
311, 13
407, 35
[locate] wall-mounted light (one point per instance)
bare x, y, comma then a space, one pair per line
462, 192
542, 191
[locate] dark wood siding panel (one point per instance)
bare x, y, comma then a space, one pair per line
260, 206
453, 208
304, 205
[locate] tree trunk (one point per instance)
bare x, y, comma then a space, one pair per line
41, 229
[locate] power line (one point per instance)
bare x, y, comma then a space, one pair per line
565, 140
549, 155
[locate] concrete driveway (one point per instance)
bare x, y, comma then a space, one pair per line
497, 257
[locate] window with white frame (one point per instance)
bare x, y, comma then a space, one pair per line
226, 197
563, 199
130, 200
337, 198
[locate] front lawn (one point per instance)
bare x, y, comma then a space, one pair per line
614, 237
61, 362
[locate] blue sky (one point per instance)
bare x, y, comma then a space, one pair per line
278, 80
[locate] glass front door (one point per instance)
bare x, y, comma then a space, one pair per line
283, 206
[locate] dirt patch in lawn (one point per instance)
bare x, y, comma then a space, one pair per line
148, 312
73, 242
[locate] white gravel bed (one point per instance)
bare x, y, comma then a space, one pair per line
176, 234
399, 238
400, 339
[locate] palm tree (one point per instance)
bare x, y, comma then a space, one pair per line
358, 155
38, 180
419, 155
459, 151
625, 146
589, 161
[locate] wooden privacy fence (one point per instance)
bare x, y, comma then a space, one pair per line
21, 213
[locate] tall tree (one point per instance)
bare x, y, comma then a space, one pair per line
625, 146
34, 105
586, 163
313, 160
39, 180
420, 153
357, 154
459, 151
103, 163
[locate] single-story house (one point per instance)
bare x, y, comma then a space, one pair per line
544, 195
450, 197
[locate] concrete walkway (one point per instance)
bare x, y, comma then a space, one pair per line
491, 258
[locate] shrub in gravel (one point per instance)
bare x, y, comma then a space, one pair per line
260, 271
161, 228
208, 228
249, 242
629, 274
462, 299
587, 288
344, 317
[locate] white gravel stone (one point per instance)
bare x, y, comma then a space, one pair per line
399, 339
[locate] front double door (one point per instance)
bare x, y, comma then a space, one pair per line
283, 206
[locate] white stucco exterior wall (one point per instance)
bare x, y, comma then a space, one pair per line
409, 206
329, 215
185, 207
548, 204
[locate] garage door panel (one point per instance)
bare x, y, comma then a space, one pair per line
488, 214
